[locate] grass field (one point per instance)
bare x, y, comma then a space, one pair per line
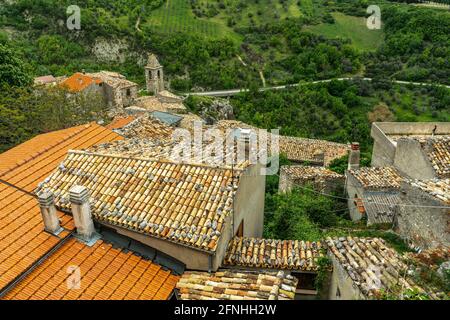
177, 16
353, 28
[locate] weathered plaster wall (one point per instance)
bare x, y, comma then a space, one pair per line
194, 259
353, 187
342, 283
249, 202
412, 161
423, 227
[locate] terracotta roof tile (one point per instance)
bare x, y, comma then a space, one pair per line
106, 274
22, 236
438, 188
438, 152
120, 122
371, 265
309, 172
236, 285
312, 150
178, 202
273, 254
377, 177
79, 81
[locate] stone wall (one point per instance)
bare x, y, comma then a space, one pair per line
422, 227
353, 188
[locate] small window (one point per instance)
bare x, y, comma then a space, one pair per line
338, 292
128, 92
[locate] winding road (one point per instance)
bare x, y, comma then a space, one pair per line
233, 92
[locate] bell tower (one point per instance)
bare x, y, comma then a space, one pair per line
154, 75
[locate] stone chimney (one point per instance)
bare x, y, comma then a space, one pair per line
81, 211
48, 212
354, 157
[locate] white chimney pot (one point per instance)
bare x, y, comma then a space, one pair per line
81, 211
48, 212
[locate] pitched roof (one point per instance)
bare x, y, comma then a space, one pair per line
22, 236
312, 150
120, 122
380, 206
178, 202
29, 149
32, 169
79, 81
438, 188
438, 152
153, 62
106, 274
113, 79
310, 172
377, 177
273, 254
235, 285
371, 264
146, 127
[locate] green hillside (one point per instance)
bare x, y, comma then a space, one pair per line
353, 28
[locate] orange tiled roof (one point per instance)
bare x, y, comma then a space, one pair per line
120, 122
106, 274
22, 236
79, 81
29, 148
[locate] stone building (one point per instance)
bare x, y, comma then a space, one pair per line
373, 193
154, 75
424, 221
186, 211
364, 268
118, 91
409, 147
320, 178
114, 87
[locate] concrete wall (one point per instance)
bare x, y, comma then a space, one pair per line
412, 161
353, 187
383, 154
384, 150
249, 202
342, 281
422, 227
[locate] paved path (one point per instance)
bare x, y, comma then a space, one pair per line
233, 92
